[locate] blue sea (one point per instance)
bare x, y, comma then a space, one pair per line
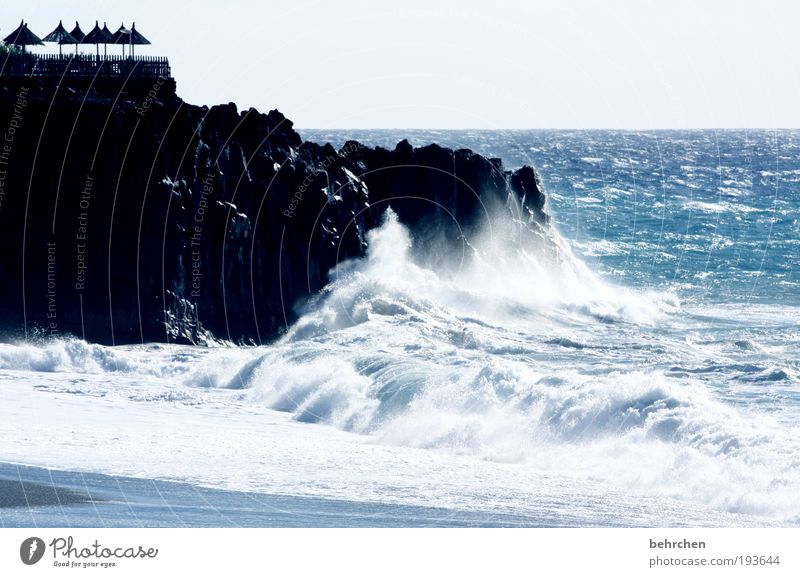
711, 215
637, 365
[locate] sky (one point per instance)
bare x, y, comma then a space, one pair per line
449, 64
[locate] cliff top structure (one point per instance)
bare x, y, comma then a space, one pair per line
18, 62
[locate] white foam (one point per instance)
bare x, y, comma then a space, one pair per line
450, 371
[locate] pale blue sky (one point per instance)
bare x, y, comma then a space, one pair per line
470, 64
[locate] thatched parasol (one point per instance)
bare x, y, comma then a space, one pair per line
61, 36
97, 37
122, 37
107, 33
77, 33
136, 38
23, 37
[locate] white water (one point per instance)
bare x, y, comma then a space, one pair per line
513, 379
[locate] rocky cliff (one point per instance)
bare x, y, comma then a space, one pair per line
128, 215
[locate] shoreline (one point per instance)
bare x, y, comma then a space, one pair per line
58, 498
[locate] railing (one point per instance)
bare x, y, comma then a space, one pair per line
49, 65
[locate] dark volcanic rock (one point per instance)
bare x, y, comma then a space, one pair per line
126, 217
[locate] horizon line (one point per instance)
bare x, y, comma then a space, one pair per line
621, 129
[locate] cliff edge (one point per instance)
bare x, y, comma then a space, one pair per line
128, 215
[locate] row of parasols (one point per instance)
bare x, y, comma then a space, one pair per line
130, 37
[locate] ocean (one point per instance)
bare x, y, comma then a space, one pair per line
640, 366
